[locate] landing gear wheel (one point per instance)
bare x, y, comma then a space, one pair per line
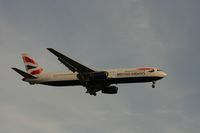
91, 92
153, 85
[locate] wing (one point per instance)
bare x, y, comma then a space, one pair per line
73, 65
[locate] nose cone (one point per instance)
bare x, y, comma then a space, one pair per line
163, 74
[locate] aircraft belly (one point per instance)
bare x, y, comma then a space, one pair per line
108, 81
133, 80
62, 83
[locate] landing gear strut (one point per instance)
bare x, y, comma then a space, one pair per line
153, 84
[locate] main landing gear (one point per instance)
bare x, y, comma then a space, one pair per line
91, 90
153, 84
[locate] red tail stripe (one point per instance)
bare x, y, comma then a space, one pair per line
36, 71
29, 60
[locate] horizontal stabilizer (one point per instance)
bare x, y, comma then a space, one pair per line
24, 74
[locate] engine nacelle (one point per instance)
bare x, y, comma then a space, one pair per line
98, 75
110, 90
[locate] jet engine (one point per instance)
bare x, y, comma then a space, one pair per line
110, 90
98, 75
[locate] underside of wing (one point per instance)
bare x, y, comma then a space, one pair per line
73, 65
88, 77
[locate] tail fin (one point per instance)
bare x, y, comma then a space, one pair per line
31, 65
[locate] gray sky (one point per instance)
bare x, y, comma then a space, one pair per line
101, 34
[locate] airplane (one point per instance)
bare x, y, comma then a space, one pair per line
92, 80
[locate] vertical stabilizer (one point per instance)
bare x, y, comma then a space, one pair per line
31, 65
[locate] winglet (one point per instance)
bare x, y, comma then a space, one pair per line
24, 74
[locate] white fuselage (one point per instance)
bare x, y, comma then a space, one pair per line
115, 76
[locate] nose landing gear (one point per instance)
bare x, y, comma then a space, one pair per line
153, 84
